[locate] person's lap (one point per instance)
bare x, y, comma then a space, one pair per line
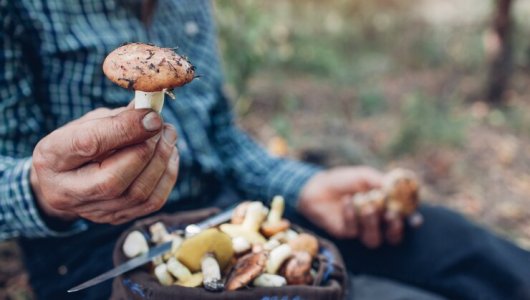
448, 255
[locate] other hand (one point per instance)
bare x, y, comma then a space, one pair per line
326, 200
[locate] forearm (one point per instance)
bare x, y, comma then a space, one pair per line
257, 174
19, 213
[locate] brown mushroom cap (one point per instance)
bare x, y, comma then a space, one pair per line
246, 269
147, 68
269, 229
402, 189
306, 243
297, 270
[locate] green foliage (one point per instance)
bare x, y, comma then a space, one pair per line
427, 124
371, 101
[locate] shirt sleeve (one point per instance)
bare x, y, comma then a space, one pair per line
253, 171
21, 123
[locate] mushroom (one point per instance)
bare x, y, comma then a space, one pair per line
157, 260
246, 269
177, 269
240, 245
373, 200
163, 275
269, 280
239, 212
297, 269
135, 244
268, 246
249, 228
149, 70
271, 244
277, 256
192, 250
305, 242
175, 245
159, 233
285, 236
194, 280
402, 189
275, 223
211, 273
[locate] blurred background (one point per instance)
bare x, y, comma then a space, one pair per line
440, 87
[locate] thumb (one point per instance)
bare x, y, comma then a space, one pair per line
94, 138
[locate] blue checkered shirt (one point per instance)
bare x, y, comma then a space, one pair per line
51, 53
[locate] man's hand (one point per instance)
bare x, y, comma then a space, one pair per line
109, 166
326, 200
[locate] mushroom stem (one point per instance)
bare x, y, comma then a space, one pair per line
277, 208
277, 256
150, 100
212, 273
269, 280
254, 217
163, 275
177, 269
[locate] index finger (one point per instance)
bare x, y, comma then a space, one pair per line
76, 144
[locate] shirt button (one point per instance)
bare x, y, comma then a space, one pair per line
191, 28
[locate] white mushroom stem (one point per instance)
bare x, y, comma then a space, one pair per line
271, 244
211, 273
254, 216
240, 245
163, 275
177, 269
159, 233
157, 260
135, 244
277, 256
150, 100
269, 280
276, 212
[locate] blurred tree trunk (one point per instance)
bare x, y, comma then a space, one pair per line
499, 50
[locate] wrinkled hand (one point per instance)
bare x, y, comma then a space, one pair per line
110, 166
326, 200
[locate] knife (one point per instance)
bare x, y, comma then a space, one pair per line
154, 252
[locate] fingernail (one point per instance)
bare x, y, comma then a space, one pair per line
152, 121
175, 154
170, 135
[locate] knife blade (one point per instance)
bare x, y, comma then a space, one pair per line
153, 252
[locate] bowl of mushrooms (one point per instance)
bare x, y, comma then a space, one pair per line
257, 254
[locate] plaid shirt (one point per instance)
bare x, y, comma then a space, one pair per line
50, 73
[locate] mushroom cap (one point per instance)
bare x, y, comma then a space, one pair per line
402, 188
246, 270
269, 229
238, 230
306, 243
147, 68
210, 240
297, 269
